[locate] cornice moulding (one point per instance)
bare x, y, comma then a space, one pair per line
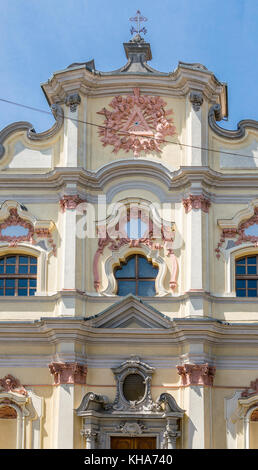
177, 83
108, 361
53, 330
59, 177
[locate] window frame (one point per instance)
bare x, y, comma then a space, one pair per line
17, 276
246, 277
114, 259
136, 278
42, 256
230, 257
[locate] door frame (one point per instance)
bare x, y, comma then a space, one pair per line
156, 436
130, 436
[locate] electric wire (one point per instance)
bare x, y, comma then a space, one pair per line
208, 149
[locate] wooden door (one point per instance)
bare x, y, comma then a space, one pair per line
133, 442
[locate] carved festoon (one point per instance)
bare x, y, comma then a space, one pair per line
132, 428
68, 373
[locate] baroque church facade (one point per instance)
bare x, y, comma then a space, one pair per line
129, 265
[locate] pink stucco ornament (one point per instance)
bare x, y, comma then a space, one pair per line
239, 233
196, 374
137, 123
68, 372
11, 384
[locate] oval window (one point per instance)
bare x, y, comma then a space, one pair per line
134, 387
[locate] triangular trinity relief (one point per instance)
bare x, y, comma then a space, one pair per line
136, 124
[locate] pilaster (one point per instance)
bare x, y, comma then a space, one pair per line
71, 130
194, 128
171, 434
90, 437
196, 378
196, 209
66, 375
68, 205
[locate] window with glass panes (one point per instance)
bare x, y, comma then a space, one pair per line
247, 276
18, 275
136, 276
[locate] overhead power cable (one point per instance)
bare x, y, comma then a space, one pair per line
208, 149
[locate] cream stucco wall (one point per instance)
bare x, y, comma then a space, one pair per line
69, 321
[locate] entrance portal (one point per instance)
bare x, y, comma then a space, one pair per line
133, 442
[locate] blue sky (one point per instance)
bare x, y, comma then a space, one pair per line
39, 37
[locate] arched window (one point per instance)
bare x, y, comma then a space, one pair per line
247, 276
18, 275
136, 276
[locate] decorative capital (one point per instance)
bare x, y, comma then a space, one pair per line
68, 372
196, 99
73, 101
196, 202
89, 434
11, 384
70, 202
196, 374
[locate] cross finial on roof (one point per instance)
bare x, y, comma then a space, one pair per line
138, 19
